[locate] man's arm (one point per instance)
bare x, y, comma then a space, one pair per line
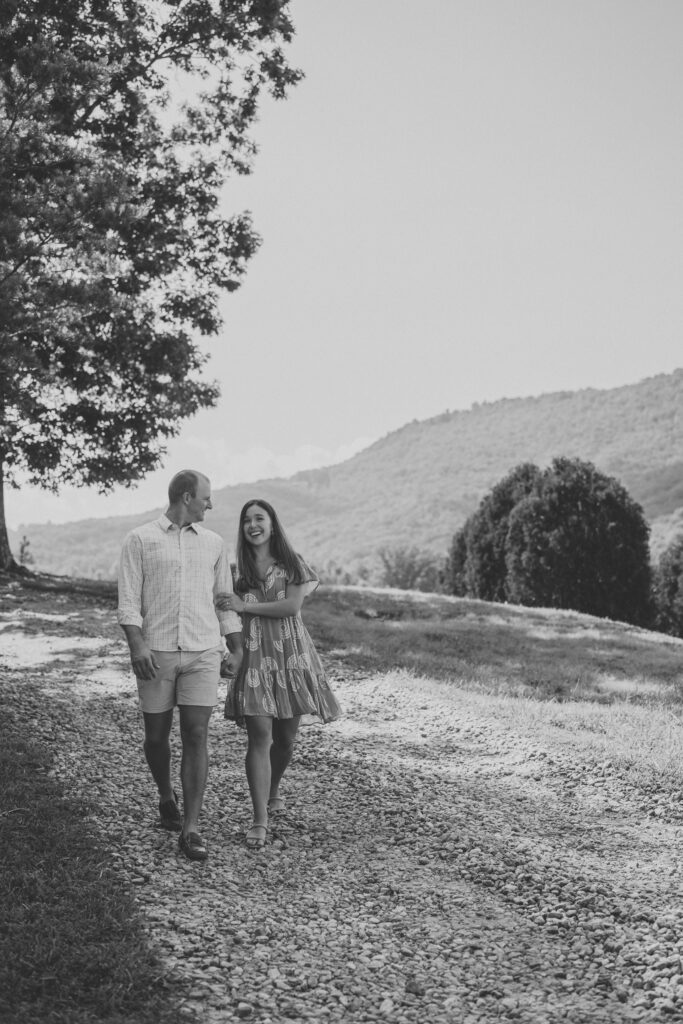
142, 659
130, 602
232, 661
222, 584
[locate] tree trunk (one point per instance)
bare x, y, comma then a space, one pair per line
7, 562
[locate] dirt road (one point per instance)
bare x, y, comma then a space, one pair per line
434, 863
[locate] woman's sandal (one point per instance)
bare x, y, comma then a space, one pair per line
276, 805
256, 837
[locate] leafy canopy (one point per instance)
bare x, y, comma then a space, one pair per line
477, 555
565, 537
113, 249
668, 588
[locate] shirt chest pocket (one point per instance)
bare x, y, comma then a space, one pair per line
162, 559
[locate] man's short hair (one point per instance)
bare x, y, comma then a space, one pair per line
184, 482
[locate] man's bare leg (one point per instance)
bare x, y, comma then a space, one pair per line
194, 768
157, 749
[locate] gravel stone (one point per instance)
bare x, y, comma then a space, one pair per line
433, 863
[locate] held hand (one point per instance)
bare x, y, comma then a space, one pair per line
145, 665
230, 664
230, 603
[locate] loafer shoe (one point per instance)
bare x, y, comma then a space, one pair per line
192, 846
169, 813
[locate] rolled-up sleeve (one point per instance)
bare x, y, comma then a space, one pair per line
129, 611
229, 621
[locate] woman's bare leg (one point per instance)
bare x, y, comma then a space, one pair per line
284, 736
257, 764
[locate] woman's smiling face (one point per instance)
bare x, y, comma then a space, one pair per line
257, 526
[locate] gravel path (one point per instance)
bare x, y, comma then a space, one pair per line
433, 864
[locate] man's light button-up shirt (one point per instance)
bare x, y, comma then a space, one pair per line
168, 580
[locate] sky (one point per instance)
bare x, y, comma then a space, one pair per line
463, 201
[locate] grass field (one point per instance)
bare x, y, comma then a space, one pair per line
614, 690
498, 649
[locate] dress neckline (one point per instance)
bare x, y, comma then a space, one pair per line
270, 568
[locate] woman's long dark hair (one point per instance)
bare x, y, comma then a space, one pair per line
280, 549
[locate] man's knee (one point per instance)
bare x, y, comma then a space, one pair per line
157, 731
195, 735
194, 726
155, 742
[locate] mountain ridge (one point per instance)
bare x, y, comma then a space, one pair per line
416, 485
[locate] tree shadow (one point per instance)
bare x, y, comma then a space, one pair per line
73, 946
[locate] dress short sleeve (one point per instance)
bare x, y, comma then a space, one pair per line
311, 580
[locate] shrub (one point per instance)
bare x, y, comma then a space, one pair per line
410, 569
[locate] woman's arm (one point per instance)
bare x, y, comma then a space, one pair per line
291, 605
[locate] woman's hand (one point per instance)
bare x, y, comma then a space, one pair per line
230, 603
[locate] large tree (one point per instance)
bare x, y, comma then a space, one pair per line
668, 589
565, 537
580, 541
113, 249
476, 562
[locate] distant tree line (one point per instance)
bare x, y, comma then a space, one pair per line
405, 568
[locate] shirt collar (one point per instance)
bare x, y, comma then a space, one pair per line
166, 524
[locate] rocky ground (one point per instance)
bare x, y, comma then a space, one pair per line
432, 865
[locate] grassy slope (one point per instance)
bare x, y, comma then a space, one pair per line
576, 683
498, 649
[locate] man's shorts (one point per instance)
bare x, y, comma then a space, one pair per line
184, 677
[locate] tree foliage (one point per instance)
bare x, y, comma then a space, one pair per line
113, 247
668, 589
477, 557
408, 568
580, 541
567, 537
456, 576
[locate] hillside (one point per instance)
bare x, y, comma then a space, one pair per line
417, 485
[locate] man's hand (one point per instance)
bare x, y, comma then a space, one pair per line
145, 665
230, 664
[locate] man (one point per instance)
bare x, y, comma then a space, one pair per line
170, 571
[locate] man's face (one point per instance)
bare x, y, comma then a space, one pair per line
197, 506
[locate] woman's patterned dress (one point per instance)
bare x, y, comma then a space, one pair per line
281, 673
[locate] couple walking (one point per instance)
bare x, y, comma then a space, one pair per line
176, 603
